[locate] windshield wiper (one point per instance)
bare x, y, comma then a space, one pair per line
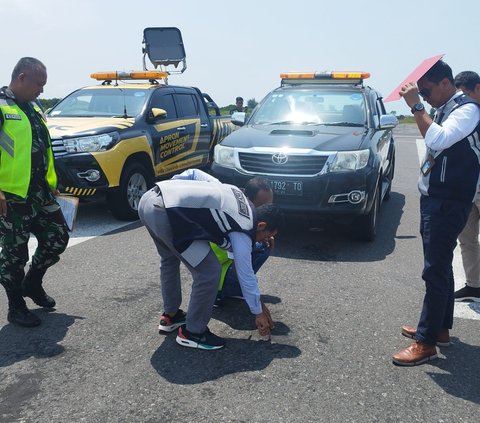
295, 122
282, 122
343, 124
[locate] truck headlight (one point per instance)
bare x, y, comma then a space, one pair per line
350, 160
224, 156
90, 143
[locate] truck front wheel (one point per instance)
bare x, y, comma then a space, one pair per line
365, 227
135, 181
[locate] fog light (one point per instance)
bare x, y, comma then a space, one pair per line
91, 175
356, 197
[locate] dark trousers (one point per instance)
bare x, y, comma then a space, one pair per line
440, 224
40, 215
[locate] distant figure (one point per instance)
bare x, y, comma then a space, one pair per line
238, 106
469, 83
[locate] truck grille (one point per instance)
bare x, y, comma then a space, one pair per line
58, 147
307, 165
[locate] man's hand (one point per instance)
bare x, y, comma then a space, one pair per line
3, 204
409, 92
270, 243
264, 321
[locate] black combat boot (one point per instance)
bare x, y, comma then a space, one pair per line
18, 313
32, 287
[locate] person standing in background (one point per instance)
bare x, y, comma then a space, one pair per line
469, 83
238, 106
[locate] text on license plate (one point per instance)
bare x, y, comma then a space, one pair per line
287, 187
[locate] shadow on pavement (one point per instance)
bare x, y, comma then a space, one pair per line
462, 370
239, 355
235, 313
18, 343
306, 238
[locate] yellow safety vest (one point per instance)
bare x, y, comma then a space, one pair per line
225, 262
16, 150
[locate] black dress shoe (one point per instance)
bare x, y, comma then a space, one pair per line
23, 317
39, 296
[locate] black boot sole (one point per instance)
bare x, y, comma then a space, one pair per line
26, 324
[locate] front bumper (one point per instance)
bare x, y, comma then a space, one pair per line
80, 174
338, 196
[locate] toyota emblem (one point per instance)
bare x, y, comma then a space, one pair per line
279, 158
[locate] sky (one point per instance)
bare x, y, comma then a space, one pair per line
240, 48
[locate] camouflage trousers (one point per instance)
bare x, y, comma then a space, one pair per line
38, 214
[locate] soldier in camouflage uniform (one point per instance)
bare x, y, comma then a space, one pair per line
27, 186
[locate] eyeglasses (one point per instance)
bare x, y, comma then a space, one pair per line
426, 92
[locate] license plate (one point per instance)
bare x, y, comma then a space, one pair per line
287, 187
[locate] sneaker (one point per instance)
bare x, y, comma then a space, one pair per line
417, 353
205, 341
169, 324
468, 293
443, 339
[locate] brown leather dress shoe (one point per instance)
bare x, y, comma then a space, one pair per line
417, 353
443, 339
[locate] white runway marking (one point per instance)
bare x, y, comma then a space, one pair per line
464, 310
93, 219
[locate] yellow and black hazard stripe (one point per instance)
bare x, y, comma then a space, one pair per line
81, 192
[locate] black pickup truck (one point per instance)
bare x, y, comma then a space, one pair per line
324, 141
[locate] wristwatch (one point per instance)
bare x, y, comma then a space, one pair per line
417, 107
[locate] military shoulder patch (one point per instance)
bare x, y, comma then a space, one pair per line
242, 204
12, 116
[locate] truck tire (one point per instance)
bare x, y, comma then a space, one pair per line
365, 227
390, 177
134, 182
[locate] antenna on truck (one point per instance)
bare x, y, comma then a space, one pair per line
164, 47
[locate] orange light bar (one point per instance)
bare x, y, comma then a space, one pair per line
325, 75
297, 75
101, 76
350, 75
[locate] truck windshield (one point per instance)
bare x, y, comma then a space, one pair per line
101, 102
313, 106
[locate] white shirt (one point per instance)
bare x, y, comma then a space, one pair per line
242, 253
459, 124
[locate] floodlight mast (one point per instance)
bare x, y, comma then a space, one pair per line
164, 47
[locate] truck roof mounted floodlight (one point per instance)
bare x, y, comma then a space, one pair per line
164, 47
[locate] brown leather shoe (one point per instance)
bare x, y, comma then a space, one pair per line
417, 353
443, 339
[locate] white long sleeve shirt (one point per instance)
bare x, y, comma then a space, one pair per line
459, 124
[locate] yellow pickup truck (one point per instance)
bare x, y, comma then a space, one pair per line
116, 138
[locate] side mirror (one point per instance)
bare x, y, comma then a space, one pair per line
158, 113
238, 118
388, 121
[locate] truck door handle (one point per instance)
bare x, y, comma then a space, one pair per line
204, 125
181, 128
